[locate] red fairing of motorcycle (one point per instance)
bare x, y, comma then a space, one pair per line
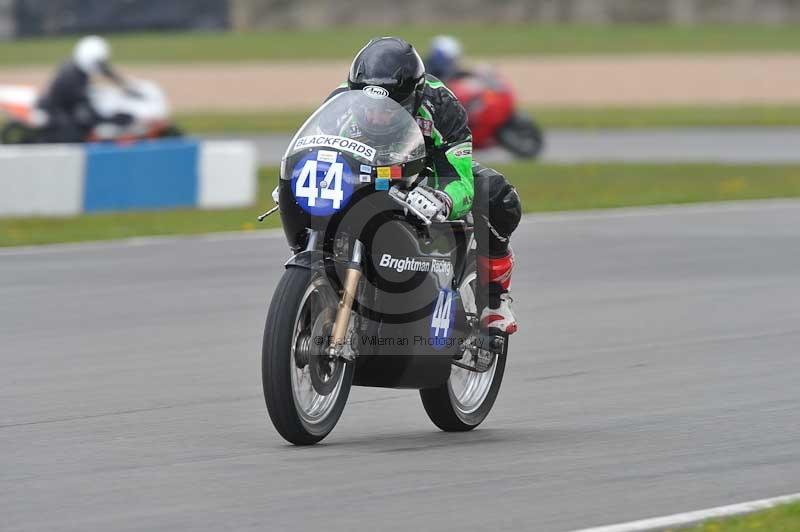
493, 115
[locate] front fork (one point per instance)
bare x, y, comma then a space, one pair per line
339, 346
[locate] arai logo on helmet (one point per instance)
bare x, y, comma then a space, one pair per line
373, 91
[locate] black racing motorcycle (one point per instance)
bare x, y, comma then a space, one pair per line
375, 294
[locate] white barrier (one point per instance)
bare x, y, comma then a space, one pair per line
41, 181
227, 174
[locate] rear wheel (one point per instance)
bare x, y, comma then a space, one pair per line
16, 133
305, 390
465, 400
521, 137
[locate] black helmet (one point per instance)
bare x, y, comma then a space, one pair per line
393, 64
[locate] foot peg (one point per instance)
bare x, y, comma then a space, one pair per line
483, 349
494, 343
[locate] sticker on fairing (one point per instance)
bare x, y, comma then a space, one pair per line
366, 169
390, 172
322, 186
443, 319
337, 143
327, 156
381, 184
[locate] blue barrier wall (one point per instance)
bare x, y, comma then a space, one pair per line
149, 175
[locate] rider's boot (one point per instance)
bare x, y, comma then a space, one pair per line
494, 276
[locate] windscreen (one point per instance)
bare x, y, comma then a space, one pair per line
364, 124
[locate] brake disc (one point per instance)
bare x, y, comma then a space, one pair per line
324, 369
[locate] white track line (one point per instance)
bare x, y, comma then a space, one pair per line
534, 218
690, 518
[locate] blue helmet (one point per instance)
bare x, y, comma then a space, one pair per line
443, 57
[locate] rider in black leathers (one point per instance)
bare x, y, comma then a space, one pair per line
459, 185
71, 116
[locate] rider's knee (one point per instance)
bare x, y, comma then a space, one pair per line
498, 200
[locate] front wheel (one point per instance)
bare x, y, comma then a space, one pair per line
521, 137
305, 390
465, 400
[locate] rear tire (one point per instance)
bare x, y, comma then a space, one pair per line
440, 403
521, 137
302, 308
16, 133
465, 400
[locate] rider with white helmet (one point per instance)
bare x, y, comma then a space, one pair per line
66, 101
92, 54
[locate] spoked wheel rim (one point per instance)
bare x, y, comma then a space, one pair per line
469, 389
316, 379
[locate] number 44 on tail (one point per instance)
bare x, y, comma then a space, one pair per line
441, 322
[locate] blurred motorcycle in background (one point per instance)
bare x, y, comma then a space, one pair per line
493, 116
144, 105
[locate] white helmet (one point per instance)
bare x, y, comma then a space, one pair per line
91, 53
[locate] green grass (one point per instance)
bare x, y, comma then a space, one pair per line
479, 40
779, 519
567, 117
542, 187
598, 186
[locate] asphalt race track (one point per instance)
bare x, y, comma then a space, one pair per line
689, 145
656, 372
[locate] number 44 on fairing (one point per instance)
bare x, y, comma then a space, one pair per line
330, 188
321, 183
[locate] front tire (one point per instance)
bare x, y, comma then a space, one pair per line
465, 400
305, 391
